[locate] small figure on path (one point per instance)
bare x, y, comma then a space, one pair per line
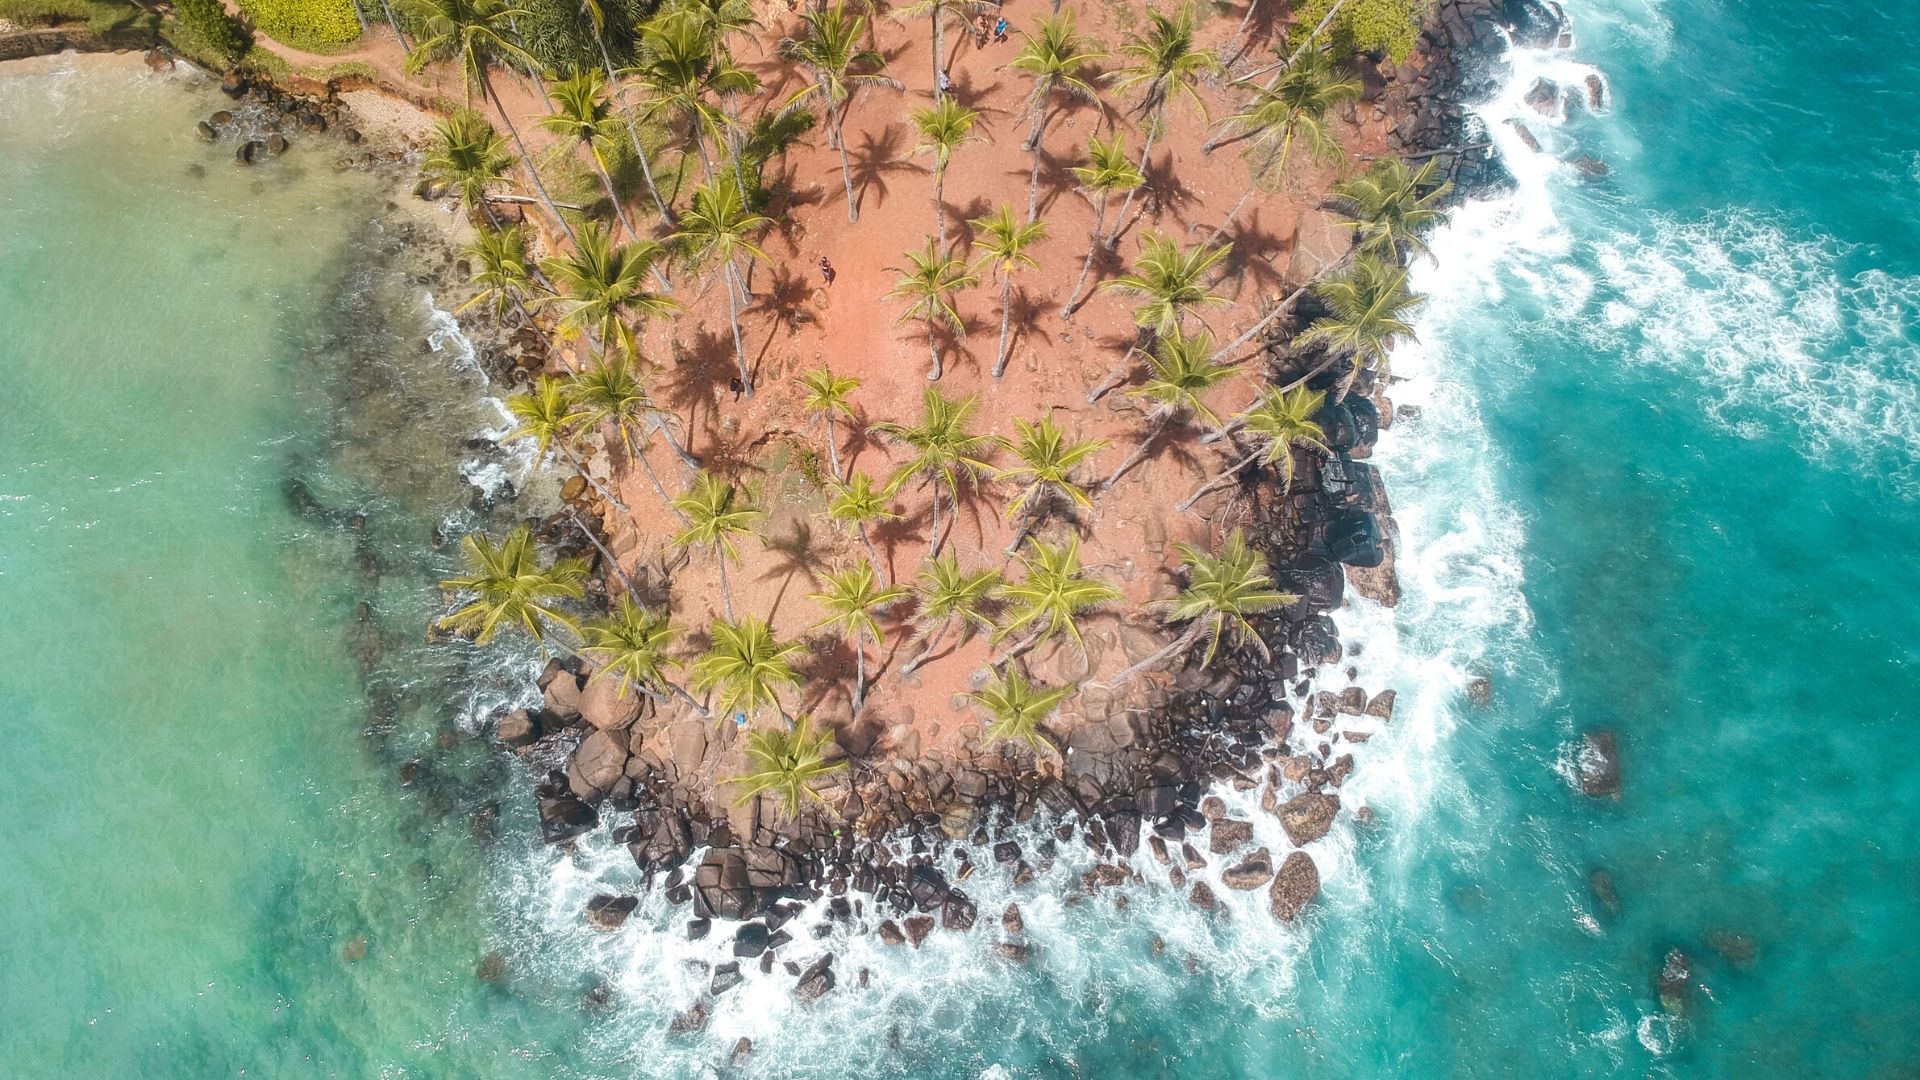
946, 84
1000, 29
980, 30
826, 270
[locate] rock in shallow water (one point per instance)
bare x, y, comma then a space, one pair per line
1294, 886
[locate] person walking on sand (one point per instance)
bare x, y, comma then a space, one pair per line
980, 31
826, 270
1000, 29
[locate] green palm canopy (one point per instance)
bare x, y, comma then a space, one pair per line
786, 764
507, 587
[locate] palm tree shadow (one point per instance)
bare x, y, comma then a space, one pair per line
1251, 260
1056, 176
784, 297
702, 368
856, 438
1164, 193
971, 95
1026, 310
891, 535
952, 341
876, 158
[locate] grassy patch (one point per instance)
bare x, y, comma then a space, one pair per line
266, 62
99, 15
321, 26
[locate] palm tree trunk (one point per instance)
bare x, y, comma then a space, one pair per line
588, 477
633, 134
1279, 309
613, 196
1176, 647
859, 672
874, 555
1240, 47
1140, 452
1218, 482
933, 350
926, 651
940, 206
1093, 247
1153, 129
939, 54
1033, 147
833, 451
726, 594
394, 25
612, 562
933, 550
846, 174
680, 450
486, 90
733, 311
1286, 147
636, 453
1006, 299
680, 692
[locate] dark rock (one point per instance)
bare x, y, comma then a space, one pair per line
1738, 949
1202, 896
816, 980
1213, 808
918, 927
1250, 873
608, 912
1480, 692
599, 761
725, 977
312, 121
1596, 93
1600, 883
1123, 829
247, 152
1308, 817
694, 1019
1676, 981
1011, 920
1104, 875
1191, 857
742, 1050
604, 707
517, 728
722, 886
889, 932
1600, 764
1157, 846
1015, 951
1157, 801
1589, 168
206, 131
492, 968
958, 912
234, 85
779, 939
1527, 138
1006, 851
1228, 835
751, 940
1294, 886
698, 928
563, 817
1353, 701
928, 887
1543, 97
276, 144
562, 694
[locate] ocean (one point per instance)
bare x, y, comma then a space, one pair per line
1661, 466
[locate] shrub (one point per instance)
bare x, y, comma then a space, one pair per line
202, 30
99, 15
1368, 26
310, 25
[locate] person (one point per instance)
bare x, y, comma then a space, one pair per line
740, 720
826, 270
1000, 29
980, 30
946, 84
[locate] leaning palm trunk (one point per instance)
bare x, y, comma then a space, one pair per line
597, 486
1286, 148
1177, 647
873, 554
633, 134
613, 563
846, 166
940, 206
1240, 43
933, 350
1093, 247
926, 651
637, 453
1153, 129
1006, 301
1223, 480
613, 196
1033, 146
1159, 424
486, 91
739, 350
859, 671
726, 593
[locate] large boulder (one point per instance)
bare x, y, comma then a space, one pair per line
721, 886
660, 841
816, 980
1308, 817
1600, 764
1294, 886
605, 707
1229, 834
928, 887
599, 761
608, 912
563, 817
517, 728
1250, 873
562, 694
958, 912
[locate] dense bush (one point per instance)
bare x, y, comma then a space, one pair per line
203, 31
99, 15
312, 25
1368, 26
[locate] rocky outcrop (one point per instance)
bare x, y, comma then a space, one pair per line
608, 912
1250, 873
1294, 886
1599, 764
605, 708
1308, 817
598, 765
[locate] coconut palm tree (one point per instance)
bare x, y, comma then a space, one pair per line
719, 227
945, 451
611, 393
1044, 460
827, 397
1056, 58
509, 588
596, 13
787, 764
1165, 64
1280, 421
475, 34
548, 414
1368, 306
1393, 207
950, 596
943, 128
1002, 241
722, 20
841, 66
499, 259
1051, 598
1108, 170
582, 112
939, 13
716, 512
1222, 592
1173, 282
1015, 709
1180, 373
468, 156
859, 504
629, 644
747, 665
680, 66
1291, 109
931, 283
600, 281
852, 599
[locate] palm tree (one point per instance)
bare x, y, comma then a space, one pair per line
945, 451
629, 644
859, 503
1393, 207
950, 595
596, 13
510, 588
1003, 241
678, 68
1016, 709
582, 112
714, 517
720, 20
1165, 64
787, 763
1368, 306
1056, 59
840, 66
1044, 462
939, 13
718, 228
748, 666
602, 280
1222, 591
611, 393
476, 34
827, 397
1292, 108
1108, 169
943, 128
499, 258
468, 156
1172, 281
931, 284
548, 414
1181, 371
1280, 420
852, 598
1055, 593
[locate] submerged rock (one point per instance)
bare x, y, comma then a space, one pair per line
1600, 764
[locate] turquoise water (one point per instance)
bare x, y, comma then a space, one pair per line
1661, 482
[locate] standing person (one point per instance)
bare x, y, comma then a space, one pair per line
1000, 29
980, 30
826, 270
946, 84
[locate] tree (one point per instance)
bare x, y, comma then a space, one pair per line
939, 13
1015, 709
611, 393
596, 13
509, 588
1181, 371
1369, 26
499, 259
1056, 58
840, 66
949, 596
468, 156
747, 665
582, 113
1393, 207
945, 451
1166, 64
1044, 460
721, 20
629, 644
718, 228
827, 397
600, 281
547, 415
1003, 242
930, 282
787, 764
1054, 594
1108, 170
859, 504
715, 514
852, 599
943, 128
1222, 592
1280, 421
475, 34
1367, 310
1173, 282
679, 66
1292, 108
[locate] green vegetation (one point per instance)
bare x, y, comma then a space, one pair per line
507, 587
787, 763
1016, 707
99, 15
202, 31
309, 25
1369, 26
